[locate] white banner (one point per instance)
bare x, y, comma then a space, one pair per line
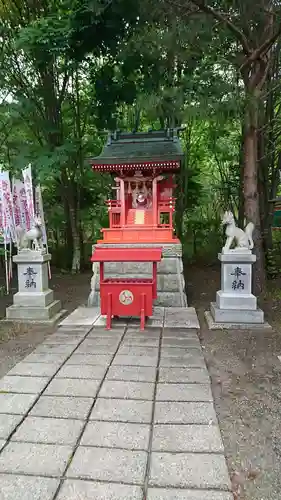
27, 179
2, 222
40, 211
22, 217
7, 204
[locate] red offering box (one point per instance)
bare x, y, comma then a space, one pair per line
127, 296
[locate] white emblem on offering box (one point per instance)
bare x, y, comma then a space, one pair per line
126, 297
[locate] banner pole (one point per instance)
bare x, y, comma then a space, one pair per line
10, 261
6, 267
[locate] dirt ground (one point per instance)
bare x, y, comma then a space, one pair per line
246, 383
244, 368
16, 341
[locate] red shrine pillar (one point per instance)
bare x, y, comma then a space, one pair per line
154, 202
122, 200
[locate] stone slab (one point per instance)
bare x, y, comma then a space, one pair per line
181, 375
89, 359
171, 299
45, 357
236, 315
100, 332
151, 322
184, 413
48, 430
201, 471
133, 373
174, 494
135, 360
96, 349
180, 333
64, 339
140, 342
213, 325
127, 390
26, 385
85, 490
62, 407
8, 423
194, 360
187, 438
73, 329
181, 343
95, 372
130, 436
34, 369
37, 459
138, 351
101, 321
120, 410
102, 341
133, 331
181, 317
54, 349
2, 443
82, 316
184, 392
108, 464
72, 387
16, 404
15, 487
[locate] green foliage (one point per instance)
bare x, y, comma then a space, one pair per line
70, 70
273, 257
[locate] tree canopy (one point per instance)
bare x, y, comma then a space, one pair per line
70, 71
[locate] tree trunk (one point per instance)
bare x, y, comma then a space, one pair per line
251, 198
241, 211
76, 255
73, 204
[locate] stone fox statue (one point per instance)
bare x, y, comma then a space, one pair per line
242, 238
33, 236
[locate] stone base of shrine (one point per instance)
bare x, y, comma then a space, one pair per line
170, 279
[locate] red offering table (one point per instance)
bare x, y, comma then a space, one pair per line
127, 296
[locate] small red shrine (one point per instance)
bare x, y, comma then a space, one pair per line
141, 211
143, 163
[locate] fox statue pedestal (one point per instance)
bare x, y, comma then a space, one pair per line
34, 301
236, 306
235, 302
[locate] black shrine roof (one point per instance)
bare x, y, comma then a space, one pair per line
157, 149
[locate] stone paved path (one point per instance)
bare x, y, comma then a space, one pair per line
96, 415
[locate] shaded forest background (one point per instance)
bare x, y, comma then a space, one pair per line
71, 70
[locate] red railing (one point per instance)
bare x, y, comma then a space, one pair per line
114, 211
166, 206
